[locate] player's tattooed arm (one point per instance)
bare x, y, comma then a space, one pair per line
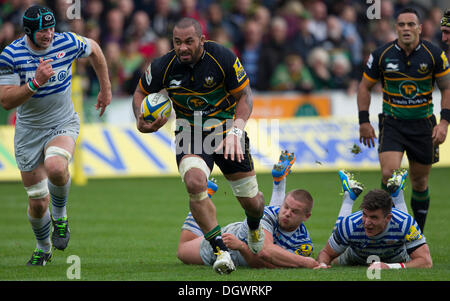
443, 82
244, 106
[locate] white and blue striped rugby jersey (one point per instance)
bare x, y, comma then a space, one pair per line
52, 103
297, 241
401, 234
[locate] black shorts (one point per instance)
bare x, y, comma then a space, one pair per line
412, 136
185, 145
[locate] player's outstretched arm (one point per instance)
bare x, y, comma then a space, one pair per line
326, 256
420, 258
280, 257
234, 243
98, 62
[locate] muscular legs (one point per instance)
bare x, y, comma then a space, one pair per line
418, 174
47, 178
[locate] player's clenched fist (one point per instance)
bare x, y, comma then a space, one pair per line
44, 71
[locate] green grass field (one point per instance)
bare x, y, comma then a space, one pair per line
128, 230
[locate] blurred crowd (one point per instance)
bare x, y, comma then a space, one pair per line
293, 45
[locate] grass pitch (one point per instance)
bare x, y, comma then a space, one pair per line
128, 230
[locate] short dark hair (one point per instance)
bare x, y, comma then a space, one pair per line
409, 10
377, 199
188, 22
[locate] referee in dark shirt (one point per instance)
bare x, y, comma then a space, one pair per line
408, 69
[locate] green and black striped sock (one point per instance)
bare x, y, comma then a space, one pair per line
215, 239
420, 201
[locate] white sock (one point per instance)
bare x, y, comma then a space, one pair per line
399, 202
58, 196
278, 193
346, 208
347, 205
42, 229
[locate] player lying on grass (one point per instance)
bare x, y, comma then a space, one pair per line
377, 229
287, 242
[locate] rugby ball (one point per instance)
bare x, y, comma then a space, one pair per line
155, 105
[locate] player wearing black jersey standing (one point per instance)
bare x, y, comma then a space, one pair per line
212, 99
408, 68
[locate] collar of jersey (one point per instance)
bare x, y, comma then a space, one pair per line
400, 49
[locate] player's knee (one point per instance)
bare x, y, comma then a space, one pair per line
57, 172
418, 182
56, 164
195, 181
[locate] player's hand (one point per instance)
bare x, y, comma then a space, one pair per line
440, 133
44, 71
103, 100
231, 147
322, 266
378, 265
232, 242
367, 134
150, 127
311, 263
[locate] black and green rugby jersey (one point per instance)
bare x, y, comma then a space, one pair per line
407, 81
204, 89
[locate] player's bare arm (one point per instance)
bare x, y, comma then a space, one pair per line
12, 96
366, 131
280, 257
441, 129
254, 261
142, 125
98, 62
420, 258
326, 257
232, 145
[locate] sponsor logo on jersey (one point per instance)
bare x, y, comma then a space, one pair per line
413, 234
209, 82
239, 69
408, 89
